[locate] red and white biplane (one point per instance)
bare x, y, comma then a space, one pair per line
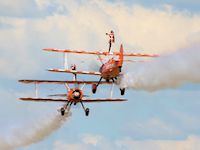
109, 70
73, 95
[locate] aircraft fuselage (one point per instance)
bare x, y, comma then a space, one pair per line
75, 95
110, 69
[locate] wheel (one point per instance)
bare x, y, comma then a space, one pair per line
62, 110
94, 88
122, 91
120, 69
87, 110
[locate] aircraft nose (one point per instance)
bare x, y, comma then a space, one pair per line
76, 94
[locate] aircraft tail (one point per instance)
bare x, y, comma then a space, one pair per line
121, 56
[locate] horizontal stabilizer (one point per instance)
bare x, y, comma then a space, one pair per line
58, 95
63, 95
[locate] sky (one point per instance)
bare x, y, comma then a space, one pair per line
162, 111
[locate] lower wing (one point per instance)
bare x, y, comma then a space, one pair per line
65, 100
103, 100
74, 71
43, 99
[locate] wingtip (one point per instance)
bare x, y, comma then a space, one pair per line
124, 100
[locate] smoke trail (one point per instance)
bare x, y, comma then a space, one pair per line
33, 133
167, 71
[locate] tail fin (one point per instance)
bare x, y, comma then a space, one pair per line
121, 56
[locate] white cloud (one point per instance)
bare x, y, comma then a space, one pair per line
42, 4
59, 145
18, 8
83, 26
86, 142
152, 128
16, 56
91, 139
190, 143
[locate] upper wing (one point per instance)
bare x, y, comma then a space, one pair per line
61, 82
75, 51
104, 100
43, 99
74, 71
140, 55
99, 52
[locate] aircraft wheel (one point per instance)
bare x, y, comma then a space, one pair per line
87, 110
94, 88
122, 91
120, 69
62, 110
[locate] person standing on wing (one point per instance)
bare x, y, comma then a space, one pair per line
111, 39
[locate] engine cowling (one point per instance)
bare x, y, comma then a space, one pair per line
76, 94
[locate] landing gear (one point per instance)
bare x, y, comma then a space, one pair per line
94, 88
122, 91
62, 110
120, 69
87, 110
66, 107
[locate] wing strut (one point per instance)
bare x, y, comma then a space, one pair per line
65, 61
82, 86
36, 90
111, 91
67, 87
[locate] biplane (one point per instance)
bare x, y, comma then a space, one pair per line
73, 95
109, 70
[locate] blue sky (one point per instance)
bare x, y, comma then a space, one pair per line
160, 120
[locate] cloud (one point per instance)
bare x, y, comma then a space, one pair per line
91, 139
190, 143
152, 30
153, 128
86, 142
18, 8
141, 29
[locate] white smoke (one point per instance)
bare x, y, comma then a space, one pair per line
32, 133
167, 71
